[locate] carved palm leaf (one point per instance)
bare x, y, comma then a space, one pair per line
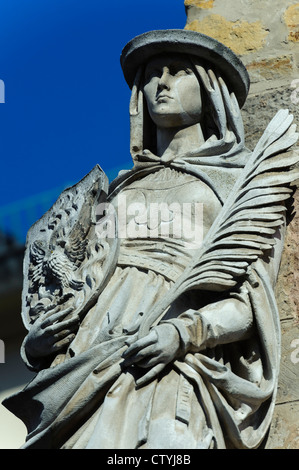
245, 227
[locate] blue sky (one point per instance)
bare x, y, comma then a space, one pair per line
66, 101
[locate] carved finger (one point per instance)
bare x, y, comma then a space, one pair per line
51, 308
152, 374
143, 355
64, 342
71, 324
43, 312
140, 344
54, 317
64, 333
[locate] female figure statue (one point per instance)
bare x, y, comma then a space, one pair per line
149, 339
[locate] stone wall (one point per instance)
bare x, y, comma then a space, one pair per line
265, 35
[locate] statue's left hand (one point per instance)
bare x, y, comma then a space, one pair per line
154, 351
51, 332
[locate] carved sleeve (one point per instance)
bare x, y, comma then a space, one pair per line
221, 322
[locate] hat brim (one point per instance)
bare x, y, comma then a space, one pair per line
142, 48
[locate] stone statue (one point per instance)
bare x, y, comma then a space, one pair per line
151, 317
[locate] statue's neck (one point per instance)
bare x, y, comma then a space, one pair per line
172, 142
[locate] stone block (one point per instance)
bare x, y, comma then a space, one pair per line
291, 18
287, 288
288, 384
260, 108
271, 68
284, 431
240, 36
205, 4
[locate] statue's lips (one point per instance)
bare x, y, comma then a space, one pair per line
163, 97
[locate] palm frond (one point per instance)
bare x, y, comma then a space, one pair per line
245, 227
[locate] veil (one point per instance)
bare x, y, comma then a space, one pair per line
222, 124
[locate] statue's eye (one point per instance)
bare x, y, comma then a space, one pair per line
179, 70
152, 73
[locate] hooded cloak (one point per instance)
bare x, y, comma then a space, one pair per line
219, 396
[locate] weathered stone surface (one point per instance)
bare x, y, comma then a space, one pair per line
200, 3
275, 66
261, 107
274, 75
284, 431
291, 17
254, 32
288, 385
240, 36
128, 329
281, 67
287, 288
197, 45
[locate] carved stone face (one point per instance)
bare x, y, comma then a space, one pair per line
172, 91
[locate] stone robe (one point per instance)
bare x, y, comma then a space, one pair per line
219, 394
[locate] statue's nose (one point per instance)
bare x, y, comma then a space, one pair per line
164, 80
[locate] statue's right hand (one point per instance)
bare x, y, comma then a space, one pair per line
50, 333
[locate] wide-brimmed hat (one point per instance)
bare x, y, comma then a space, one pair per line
140, 49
